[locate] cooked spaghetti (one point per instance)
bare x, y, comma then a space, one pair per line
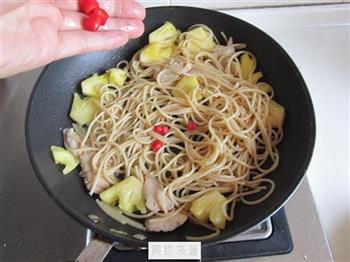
195, 127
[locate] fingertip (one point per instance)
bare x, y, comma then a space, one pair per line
140, 11
132, 9
139, 29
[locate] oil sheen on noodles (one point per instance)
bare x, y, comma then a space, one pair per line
232, 150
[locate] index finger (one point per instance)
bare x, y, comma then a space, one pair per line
114, 8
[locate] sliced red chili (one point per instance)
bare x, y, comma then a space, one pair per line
156, 145
161, 129
86, 6
100, 14
165, 130
158, 129
191, 125
91, 24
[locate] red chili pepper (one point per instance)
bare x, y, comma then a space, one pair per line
156, 145
100, 14
90, 23
86, 6
165, 130
158, 129
161, 129
191, 125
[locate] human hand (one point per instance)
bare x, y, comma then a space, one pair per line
37, 32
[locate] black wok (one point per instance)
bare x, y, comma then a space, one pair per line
50, 103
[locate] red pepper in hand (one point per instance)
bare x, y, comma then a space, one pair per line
86, 6
99, 14
90, 23
156, 145
96, 15
191, 125
161, 129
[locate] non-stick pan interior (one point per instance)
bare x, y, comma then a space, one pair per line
50, 103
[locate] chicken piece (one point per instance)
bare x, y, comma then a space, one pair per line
157, 224
72, 141
89, 175
155, 200
180, 66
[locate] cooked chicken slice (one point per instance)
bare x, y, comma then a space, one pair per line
180, 66
155, 200
90, 176
72, 141
157, 224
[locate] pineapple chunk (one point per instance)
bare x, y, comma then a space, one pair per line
216, 215
209, 206
117, 76
188, 84
246, 65
247, 69
155, 53
199, 39
83, 110
255, 77
166, 35
276, 114
64, 157
129, 194
91, 86
264, 87
111, 195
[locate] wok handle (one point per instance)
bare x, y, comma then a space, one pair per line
95, 251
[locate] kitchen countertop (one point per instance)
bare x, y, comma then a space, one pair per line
32, 226
317, 38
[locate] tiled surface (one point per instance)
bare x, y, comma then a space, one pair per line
227, 4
